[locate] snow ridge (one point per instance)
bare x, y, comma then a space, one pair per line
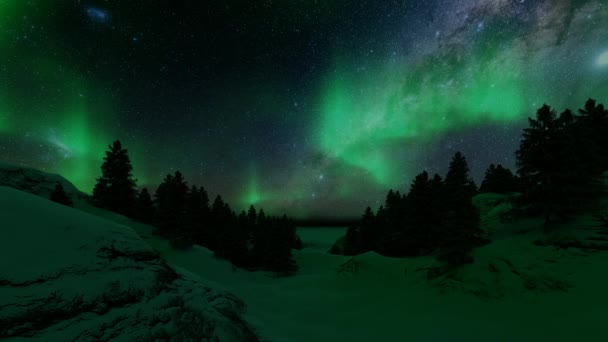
71, 276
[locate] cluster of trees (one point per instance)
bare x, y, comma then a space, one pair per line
436, 215
59, 195
559, 164
499, 180
561, 158
184, 215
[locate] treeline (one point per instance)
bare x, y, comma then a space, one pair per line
184, 215
559, 164
435, 214
560, 161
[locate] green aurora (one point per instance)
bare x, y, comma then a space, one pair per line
366, 121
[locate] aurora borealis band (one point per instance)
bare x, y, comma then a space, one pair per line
313, 108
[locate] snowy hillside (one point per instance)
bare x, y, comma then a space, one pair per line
35, 182
102, 278
66, 275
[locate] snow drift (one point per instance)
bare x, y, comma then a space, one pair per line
69, 275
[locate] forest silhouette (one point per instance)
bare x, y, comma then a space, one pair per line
560, 162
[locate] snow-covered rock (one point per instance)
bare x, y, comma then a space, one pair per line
35, 181
66, 275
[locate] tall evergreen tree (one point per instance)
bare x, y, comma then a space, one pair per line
423, 215
171, 206
550, 165
351, 241
461, 230
144, 207
260, 239
60, 196
115, 189
279, 258
198, 216
592, 127
499, 179
368, 233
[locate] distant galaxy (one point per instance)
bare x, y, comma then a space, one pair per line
602, 60
312, 108
97, 14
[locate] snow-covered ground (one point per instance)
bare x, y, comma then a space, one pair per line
66, 275
515, 290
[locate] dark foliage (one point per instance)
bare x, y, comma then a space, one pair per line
251, 240
115, 189
60, 196
560, 159
144, 208
499, 180
170, 200
436, 216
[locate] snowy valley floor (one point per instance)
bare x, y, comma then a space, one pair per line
515, 291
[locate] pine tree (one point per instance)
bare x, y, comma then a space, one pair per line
218, 223
260, 239
145, 207
458, 183
551, 163
198, 216
368, 239
593, 128
351, 241
498, 180
231, 238
461, 230
252, 217
171, 208
279, 258
422, 229
394, 214
115, 189
60, 196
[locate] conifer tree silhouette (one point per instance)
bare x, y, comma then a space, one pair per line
422, 216
498, 179
60, 196
197, 215
461, 230
547, 162
593, 131
144, 207
171, 207
115, 189
260, 239
368, 232
279, 258
351, 241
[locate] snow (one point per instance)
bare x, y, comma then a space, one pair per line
515, 290
69, 275
35, 181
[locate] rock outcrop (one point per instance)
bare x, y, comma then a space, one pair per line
66, 275
36, 182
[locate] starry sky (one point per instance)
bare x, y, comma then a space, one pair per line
310, 107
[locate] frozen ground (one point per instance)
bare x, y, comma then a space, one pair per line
66, 275
515, 290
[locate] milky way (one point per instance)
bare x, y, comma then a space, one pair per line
312, 108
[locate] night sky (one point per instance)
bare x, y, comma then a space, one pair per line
309, 107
